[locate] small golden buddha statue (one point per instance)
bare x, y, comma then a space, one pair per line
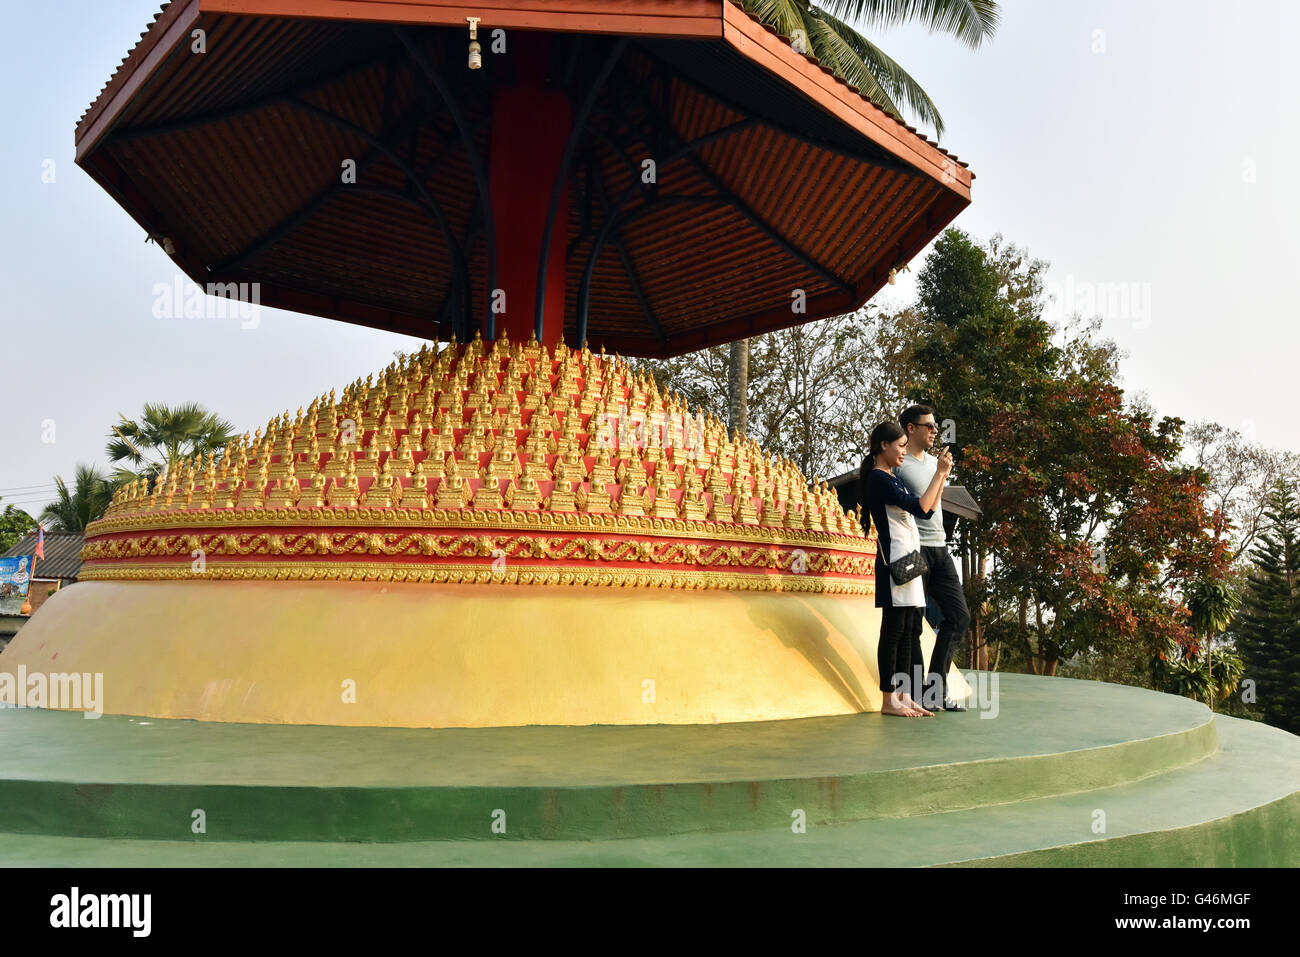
504, 463
631, 473
380, 491
347, 489
415, 431
434, 466
514, 418
315, 497
602, 472
525, 495
484, 420
631, 501
488, 494
594, 499
663, 505
744, 511
385, 438
405, 456
416, 495
720, 510
539, 387
453, 492
514, 381
368, 467
570, 467
286, 491
543, 419
253, 495
771, 515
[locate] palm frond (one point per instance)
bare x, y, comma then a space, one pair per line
168, 434
76, 507
858, 61
889, 75
970, 21
833, 49
786, 16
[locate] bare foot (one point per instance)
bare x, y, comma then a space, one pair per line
909, 703
902, 712
895, 705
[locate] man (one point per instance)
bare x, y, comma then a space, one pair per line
941, 582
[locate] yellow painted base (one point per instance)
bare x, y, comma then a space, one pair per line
440, 656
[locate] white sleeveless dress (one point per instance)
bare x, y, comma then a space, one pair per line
903, 540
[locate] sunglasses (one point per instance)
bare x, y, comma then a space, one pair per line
928, 425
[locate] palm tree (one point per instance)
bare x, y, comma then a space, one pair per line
164, 437
1212, 602
77, 507
821, 30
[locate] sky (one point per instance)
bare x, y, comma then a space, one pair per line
1144, 149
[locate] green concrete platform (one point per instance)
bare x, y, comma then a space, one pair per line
1176, 786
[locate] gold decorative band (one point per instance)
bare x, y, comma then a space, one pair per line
430, 545
481, 574
477, 519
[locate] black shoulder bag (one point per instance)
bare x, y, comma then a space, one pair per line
912, 565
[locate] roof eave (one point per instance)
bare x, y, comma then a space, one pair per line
774, 53
165, 35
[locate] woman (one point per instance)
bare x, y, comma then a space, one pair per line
891, 506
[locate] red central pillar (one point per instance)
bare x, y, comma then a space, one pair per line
530, 129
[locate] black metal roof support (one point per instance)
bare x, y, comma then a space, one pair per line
882, 162
584, 289
471, 232
629, 268
688, 149
241, 109
579, 124
425, 197
306, 211
434, 79
610, 224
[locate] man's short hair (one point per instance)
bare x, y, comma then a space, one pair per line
912, 415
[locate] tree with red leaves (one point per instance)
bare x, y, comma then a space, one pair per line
1091, 523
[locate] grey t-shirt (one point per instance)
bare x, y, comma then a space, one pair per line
917, 474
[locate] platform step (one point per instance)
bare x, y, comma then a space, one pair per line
1068, 773
135, 778
1238, 808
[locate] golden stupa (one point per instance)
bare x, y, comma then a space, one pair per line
639, 565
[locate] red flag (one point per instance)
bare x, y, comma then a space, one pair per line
40, 543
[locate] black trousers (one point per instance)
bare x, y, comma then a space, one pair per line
944, 587
900, 648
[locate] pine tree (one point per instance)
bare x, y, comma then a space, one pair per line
1268, 626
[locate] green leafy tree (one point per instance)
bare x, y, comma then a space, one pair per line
162, 438
1188, 672
77, 506
14, 524
1090, 520
1268, 625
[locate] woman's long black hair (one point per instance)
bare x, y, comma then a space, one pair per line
883, 433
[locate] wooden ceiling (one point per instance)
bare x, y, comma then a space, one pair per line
773, 176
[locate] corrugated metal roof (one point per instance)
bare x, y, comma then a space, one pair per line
62, 554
